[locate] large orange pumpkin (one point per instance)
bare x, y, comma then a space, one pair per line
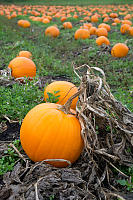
21, 67
49, 133
119, 50
65, 91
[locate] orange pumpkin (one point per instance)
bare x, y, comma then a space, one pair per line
82, 34
117, 20
67, 25
86, 18
52, 31
63, 19
131, 31
124, 28
94, 18
101, 32
49, 133
20, 22
93, 30
114, 24
119, 50
24, 23
102, 40
88, 25
106, 19
103, 25
128, 16
45, 21
26, 54
21, 67
66, 90
127, 22
113, 15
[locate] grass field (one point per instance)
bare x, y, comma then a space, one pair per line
69, 2
55, 57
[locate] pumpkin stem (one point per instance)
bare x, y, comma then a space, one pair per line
66, 107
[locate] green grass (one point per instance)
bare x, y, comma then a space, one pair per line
54, 57
128, 184
10, 157
16, 101
69, 2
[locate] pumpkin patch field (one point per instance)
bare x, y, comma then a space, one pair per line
66, 100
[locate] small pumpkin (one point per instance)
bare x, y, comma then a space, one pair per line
94, 18
104, 25
26, 54
48, 133
127, 22
106, 19
102, 40
21, 67
67, 25
125, 28
88, 25
101, 32
93, 30
24, 23
131, 31
119, 50
117, 20
63, 19
82, 34
45, 21
65, 91
114, 24
52, 31
113, 15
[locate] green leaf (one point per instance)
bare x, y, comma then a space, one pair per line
122, 182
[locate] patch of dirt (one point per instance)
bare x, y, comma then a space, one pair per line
11, 133
48, 79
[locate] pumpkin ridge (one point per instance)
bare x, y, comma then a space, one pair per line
39, 122
50, 127
60, 130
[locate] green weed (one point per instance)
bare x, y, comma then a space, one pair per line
53, 97
16, 101
127, 183
9, 159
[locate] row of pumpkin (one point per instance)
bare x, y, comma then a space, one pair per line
122, 15
91, 12
88, 29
